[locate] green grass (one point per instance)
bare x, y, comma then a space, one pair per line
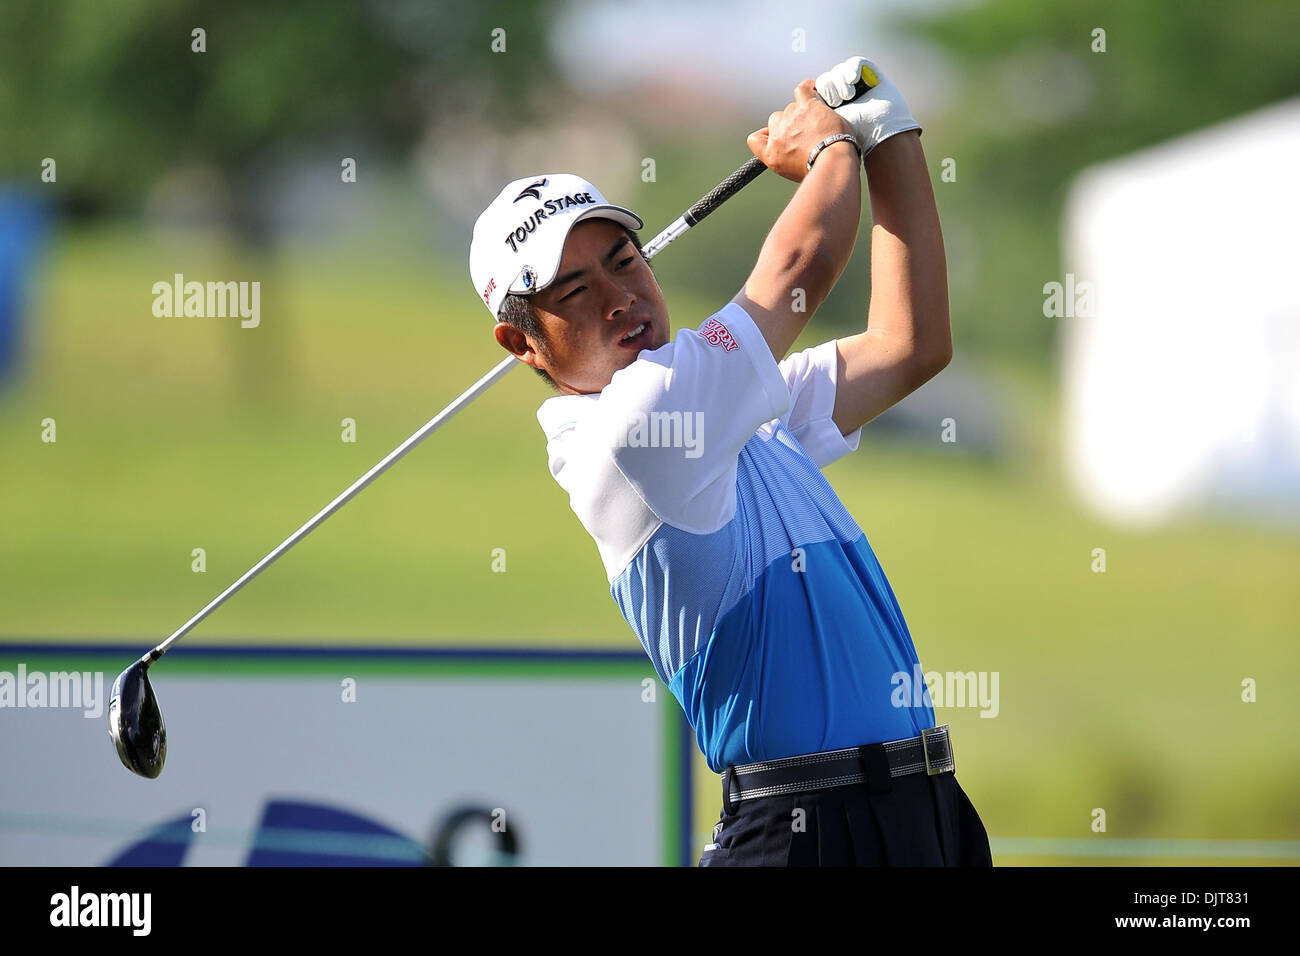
1118, 691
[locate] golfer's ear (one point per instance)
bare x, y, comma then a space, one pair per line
515, 342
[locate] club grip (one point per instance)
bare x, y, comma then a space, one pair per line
742, 177
720, 193
863, 83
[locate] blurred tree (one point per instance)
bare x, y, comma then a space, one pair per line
1037, 104
116, 95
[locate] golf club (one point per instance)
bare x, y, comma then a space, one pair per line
135, 721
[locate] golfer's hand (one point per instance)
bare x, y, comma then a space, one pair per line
790, 135
876, 115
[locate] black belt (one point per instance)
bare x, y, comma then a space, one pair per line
930, 753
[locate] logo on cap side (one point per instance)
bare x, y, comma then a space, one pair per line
529, 277
533, 190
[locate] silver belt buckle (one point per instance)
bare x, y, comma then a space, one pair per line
930, 769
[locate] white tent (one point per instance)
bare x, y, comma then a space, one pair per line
1182, 387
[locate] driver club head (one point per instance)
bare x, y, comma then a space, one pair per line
135, 723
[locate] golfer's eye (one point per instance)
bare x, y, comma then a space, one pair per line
573, 293
626, 261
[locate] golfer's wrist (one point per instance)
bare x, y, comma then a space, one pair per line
900, 149
830, 142
841, 154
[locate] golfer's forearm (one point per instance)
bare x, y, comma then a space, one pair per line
909, 272
808, 247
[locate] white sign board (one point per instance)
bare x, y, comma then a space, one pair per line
280, 760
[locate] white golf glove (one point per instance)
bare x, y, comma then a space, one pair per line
878, 114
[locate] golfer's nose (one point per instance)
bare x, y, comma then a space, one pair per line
618, 300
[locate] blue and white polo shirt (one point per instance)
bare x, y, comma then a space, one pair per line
697, 471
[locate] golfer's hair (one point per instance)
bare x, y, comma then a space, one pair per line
518, 311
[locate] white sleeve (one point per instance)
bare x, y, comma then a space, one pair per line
810, 377
675, 420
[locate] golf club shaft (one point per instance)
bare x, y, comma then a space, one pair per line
427, 429
720, 193
716, 197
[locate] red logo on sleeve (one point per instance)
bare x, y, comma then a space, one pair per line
715, 333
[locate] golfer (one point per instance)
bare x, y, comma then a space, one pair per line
694, 461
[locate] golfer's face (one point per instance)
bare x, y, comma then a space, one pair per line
604, 290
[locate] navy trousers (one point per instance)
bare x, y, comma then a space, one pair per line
913, 820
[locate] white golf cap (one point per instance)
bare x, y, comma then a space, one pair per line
519, 239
